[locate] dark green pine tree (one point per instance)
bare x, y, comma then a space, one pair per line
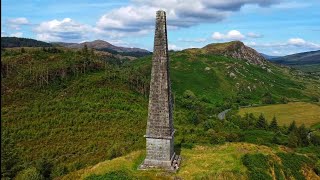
293, 140
274, 124
262, 122
276, 138
292, 127
303, 135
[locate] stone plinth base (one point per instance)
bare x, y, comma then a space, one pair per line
164, 165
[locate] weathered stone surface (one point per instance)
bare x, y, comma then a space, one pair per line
160, 132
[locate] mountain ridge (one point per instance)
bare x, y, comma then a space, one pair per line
310, 57
269, 57
233, 49
11, 42
101, 45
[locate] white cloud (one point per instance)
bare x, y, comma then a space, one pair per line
174, 47
254, 35
16, 23
64, 30
250, 43
292, 42
231, 35
17, 34
283, 48
296, 41
139, 15
302, 43
197, 40
292, 5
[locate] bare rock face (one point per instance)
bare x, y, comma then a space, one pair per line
236, 49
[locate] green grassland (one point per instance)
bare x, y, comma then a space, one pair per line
65, 110
313, 68
228, 161
300, 112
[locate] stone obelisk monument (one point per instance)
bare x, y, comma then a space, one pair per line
160, 132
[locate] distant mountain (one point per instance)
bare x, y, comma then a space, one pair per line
306, 61
9, 42
108, 47
312, 57
234, 49
268, 57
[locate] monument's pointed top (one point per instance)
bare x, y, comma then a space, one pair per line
160, 11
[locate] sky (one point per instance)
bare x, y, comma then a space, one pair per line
273, 27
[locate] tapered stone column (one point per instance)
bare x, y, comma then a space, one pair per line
160, 132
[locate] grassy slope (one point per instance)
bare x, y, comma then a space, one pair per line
201, 162
87, 115
72, 122
93, 116
189, 72
302, 113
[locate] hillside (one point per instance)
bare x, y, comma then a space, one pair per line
66, 110
105, 46
9, 42
228, 161
234, 49
307, 61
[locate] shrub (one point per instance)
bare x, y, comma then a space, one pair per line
9, 157
233, 137
29, 174
315, 99
258, 136
267, 98
119, 175
257, 165
317, 167
292, 164
315, 138
193, 118
209, 124
44, 167
187, 145
76, 166
259, 175
284, 100
189, 94
293, 140
59, 170
216, 137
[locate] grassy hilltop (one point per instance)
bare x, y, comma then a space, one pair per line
228, 161
64, 110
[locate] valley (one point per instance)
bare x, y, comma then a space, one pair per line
65, 110
300, 112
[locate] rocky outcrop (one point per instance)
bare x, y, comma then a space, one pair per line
235, 49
